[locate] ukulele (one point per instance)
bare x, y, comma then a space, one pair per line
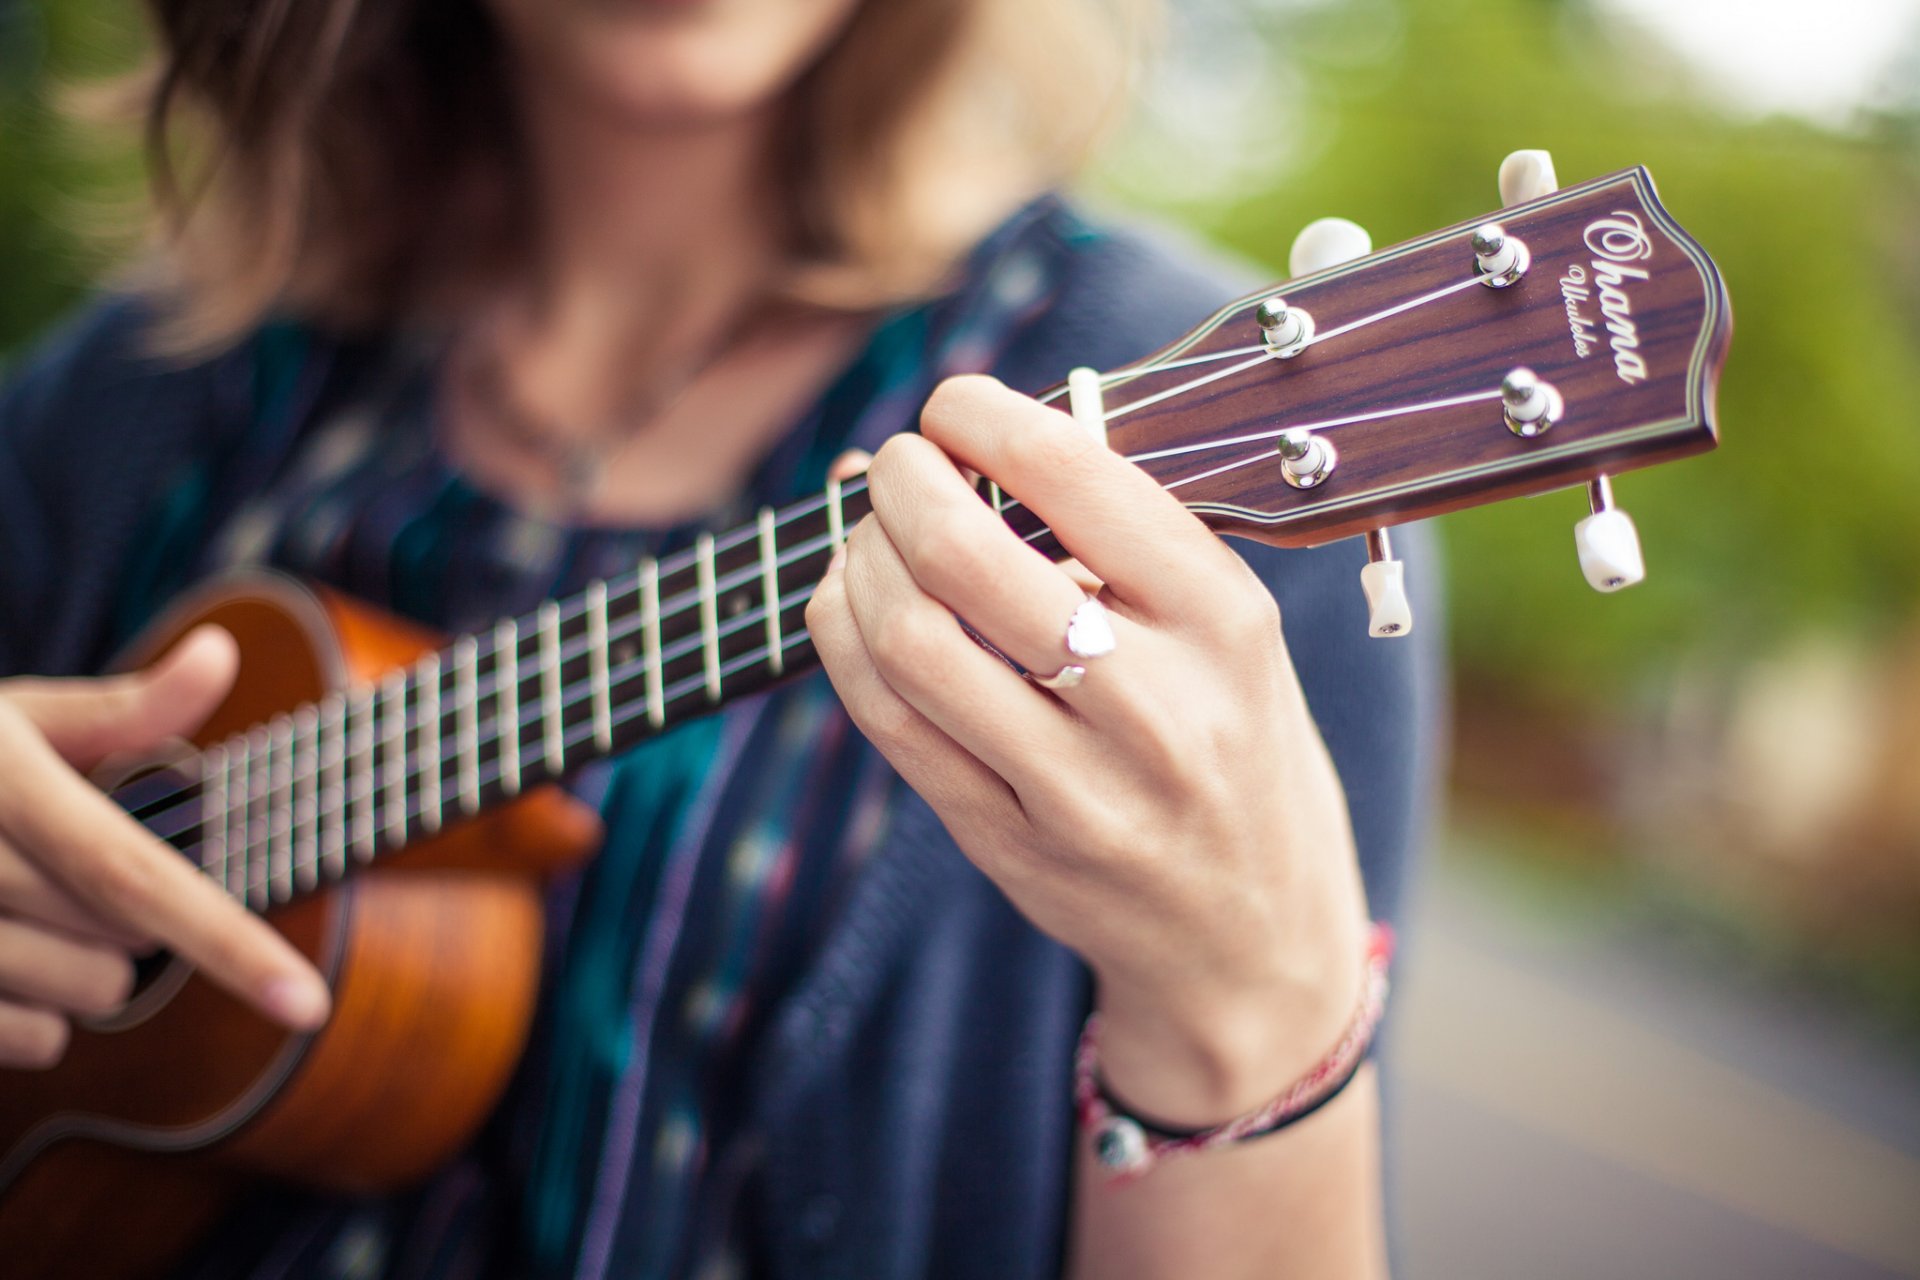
387, 799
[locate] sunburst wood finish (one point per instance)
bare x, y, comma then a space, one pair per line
112, 1164
381, 797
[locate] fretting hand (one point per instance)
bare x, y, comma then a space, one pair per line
1174, 817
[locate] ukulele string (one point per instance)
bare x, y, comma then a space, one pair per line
160, 806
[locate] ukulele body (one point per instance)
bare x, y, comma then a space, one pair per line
116, 1161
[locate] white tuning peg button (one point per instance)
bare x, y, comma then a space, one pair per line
1608, 544
1327, 242
1384, 580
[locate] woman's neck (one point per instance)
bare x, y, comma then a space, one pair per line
650, 241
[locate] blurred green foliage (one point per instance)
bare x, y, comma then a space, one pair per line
1395, 113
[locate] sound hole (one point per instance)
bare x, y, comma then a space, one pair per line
164, 799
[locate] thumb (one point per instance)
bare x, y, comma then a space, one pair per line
87, 720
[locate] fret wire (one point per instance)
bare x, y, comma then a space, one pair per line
333, 793
466, 675
303, 868
836, 518
258, 817
650, 630
365, 770
597, 660
709, 615
280, 835
506, 687
238, 782
213, 801
428, 681
770, 590
393, 727
556, 743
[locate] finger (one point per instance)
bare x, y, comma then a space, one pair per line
113, 866
849, 464
1108, 513
1527, 175
963, 555
930, 762
48, 968
31, 1039
925, 656
88, 720
27, 893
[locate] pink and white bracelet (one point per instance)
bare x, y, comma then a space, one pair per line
1129, 1145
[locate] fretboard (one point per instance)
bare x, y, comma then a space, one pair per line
296, 803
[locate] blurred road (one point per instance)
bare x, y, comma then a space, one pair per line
1593, 1101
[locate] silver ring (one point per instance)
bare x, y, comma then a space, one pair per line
1065, 678
1089, 635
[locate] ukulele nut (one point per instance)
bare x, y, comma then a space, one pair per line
1529, 406
1306, 460
1287, 330
1499, 259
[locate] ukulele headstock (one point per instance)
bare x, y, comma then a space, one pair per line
1454, 370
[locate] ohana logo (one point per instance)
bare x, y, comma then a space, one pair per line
1616, 243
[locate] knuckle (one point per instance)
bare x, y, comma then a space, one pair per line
887, 720
952, 544
908, 639
1053, 449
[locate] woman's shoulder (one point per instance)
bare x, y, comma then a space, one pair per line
1122, 285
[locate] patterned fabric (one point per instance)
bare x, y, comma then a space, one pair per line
729, 839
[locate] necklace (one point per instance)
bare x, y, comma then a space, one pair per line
577, 458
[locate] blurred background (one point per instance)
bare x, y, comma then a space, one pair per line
1665, 1014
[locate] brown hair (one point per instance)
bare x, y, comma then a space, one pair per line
309, 154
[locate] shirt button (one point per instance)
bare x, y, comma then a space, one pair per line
820, 1219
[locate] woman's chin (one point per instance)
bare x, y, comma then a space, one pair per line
671, 63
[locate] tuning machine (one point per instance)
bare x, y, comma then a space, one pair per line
1499, 259
1306, 459
1287, 330
1384, 581
1608, 544
1530, 406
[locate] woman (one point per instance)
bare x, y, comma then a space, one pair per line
480, 301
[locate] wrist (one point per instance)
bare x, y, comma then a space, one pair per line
1195, 1055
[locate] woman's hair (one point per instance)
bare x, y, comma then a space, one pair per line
358, 163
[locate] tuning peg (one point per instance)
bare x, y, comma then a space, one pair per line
1529, 405
1527, 175
1327, 242
1383, 579
1608, 544
1306, 459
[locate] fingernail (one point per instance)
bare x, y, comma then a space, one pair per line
301, 1003
838, 558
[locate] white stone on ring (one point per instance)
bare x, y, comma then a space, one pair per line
1090, 631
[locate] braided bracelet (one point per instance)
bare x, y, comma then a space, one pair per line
1128, 1145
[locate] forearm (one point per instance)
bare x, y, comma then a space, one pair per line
1305, 1201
